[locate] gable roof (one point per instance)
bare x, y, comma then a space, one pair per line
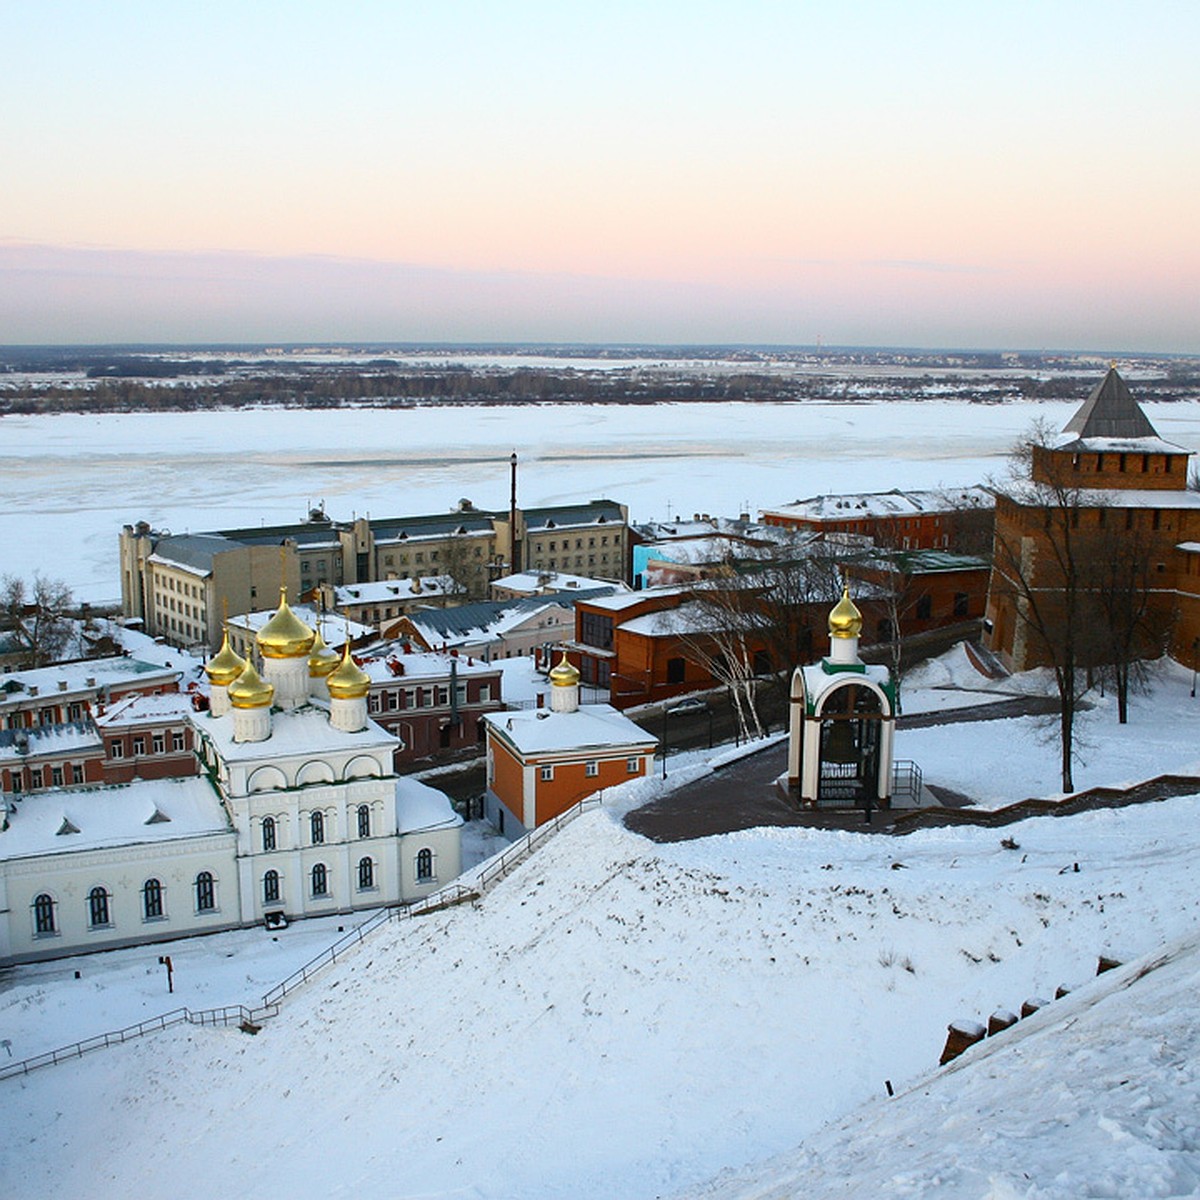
1111, 412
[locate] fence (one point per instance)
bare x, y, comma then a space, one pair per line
492, 872
229, 1014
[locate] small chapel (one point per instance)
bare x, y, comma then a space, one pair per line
842, 723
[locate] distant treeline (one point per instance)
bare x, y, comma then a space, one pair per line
110, 389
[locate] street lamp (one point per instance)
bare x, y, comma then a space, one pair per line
1195, 663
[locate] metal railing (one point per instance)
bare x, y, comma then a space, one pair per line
229, 1014
453, 894
906, 782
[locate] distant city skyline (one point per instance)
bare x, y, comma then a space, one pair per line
927, 174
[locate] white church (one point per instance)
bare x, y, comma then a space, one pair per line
297, 812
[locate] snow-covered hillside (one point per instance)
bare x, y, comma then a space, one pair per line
620, 1019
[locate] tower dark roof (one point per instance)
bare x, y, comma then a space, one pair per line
1110, 412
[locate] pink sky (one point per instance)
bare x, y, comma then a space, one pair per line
920, 174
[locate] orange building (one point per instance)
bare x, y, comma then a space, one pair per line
1117, 487
542, 761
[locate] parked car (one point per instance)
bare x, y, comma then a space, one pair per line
693, 704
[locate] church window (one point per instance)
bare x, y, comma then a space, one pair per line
98, 908
425, 866
320, 880
268, 833
43, 915
206, 892
271, 887
364, 821
366, 875
316, 824
152, 900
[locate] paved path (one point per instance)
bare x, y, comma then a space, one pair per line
743, 795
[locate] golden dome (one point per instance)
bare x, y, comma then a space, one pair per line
845, 621
564, 675
250, 690
285, 635
349, 681
322, 660
226, 665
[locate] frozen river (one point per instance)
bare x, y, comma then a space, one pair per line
68, 483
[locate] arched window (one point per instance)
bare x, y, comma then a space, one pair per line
268, 833
424, 866
317, 826
43, 914
206, 892
364, 821
271, 887
320, 880
152, 900
97, 907
366, 874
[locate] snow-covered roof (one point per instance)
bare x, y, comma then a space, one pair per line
304, 730
541, 581
692, 617
420, 807
86, 678
144, 811
385, 591
693, 549
590, 727
1117, 445
69, 737
623, 600
140, 709
895, 503
430, 665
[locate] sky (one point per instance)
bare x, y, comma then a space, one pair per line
938, 174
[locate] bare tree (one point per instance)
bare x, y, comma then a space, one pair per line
1040, 568
1120, 581
37, 613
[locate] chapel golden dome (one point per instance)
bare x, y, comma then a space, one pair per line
285, 635
564, 675
845, 621
250, 690
322, 660
349, 681
226, 665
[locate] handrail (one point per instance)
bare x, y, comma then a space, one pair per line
452, 894
228, 1014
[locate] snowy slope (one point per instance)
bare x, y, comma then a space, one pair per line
619, 1019
1096, 1095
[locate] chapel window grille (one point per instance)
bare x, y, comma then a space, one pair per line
98, 908
43, 915
152, 900
206, 892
